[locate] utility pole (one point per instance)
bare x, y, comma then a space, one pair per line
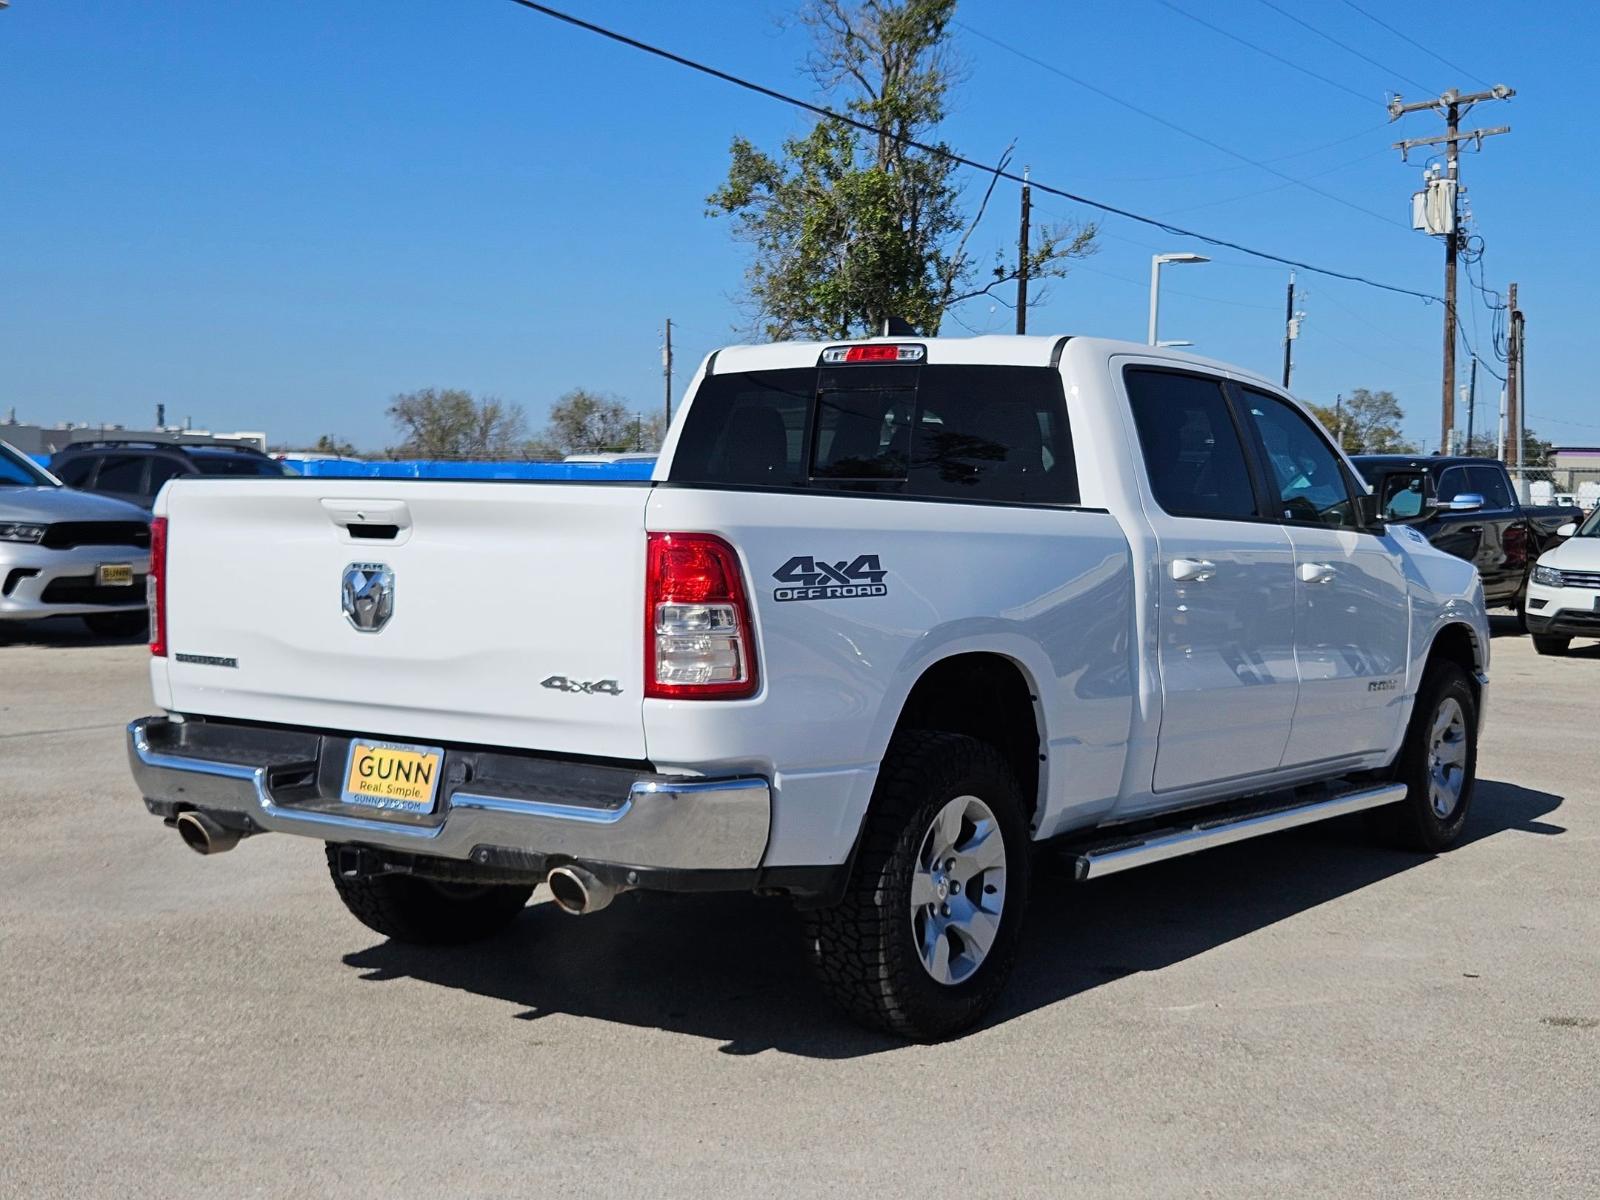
1472, 400
1440, 213
1289, 331
1022, 258
666, 371
1338, 419
1513, 375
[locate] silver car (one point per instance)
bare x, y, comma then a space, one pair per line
65, 553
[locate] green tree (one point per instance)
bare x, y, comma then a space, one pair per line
451, 423
329, 444
585, 422
1365, 422
1536, 452
849, 228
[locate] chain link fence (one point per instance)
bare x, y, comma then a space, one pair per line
1558, 485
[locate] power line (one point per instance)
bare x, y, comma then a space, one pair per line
1173, 125
1317, 149
1343, 46
958, 159
1272, 54
1277, 187
1413, 41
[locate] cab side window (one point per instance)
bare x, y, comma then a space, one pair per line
1303, 467
1192, 451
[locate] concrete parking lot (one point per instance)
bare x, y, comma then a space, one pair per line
1303, 1015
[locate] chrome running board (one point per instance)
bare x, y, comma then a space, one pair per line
1123, 854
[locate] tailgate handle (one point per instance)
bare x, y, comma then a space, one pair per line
379, 533
369, 520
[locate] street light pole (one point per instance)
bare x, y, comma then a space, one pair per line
1156, 262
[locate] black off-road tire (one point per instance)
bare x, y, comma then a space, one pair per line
1413, 823
1553, 644
118, 624
864, 948
409, 909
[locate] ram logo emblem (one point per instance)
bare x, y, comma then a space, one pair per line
366, 594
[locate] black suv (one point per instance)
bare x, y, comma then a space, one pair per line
135, 471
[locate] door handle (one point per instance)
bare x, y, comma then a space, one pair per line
1317, 572
1193, 570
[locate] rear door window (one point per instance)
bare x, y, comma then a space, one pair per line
122, 474
75, 472
1192, 451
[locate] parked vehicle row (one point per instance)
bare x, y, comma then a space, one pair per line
1469, 508
1564, 593
66, 553
889, 613
135, 471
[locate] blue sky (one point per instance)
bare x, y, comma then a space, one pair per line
278, 215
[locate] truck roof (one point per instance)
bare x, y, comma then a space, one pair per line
1423, 462
994, 349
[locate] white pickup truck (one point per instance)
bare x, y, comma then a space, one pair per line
890, 613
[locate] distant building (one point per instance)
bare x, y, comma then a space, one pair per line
1575, 458
45, 440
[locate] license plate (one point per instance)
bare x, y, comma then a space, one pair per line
114, 575
392, 775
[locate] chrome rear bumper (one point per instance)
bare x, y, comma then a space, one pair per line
652, 821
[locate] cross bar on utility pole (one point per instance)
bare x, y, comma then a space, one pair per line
1450, 139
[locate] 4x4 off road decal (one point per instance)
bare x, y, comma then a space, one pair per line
808, 578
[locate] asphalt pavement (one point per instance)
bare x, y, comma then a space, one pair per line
1296, 1016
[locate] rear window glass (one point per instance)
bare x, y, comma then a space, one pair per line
970, 432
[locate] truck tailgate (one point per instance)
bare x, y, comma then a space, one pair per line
517, 609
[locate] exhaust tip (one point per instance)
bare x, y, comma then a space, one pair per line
577, 891
203, 835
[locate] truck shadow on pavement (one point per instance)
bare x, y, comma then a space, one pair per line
60, 632
733, 968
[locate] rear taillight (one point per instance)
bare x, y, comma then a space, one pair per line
699, 642
156, 587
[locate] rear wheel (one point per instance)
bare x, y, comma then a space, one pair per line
118, 624
924, 939
1438, 764
1554, 645
409, 909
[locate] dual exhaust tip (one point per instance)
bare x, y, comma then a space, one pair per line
576, 890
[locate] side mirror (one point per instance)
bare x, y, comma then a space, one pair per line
1367, 515
1464, 502
1567, 530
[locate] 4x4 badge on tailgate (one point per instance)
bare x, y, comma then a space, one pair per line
813, 579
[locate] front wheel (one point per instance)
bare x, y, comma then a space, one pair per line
924, 939
1438, 764
1553, 645
410, 909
